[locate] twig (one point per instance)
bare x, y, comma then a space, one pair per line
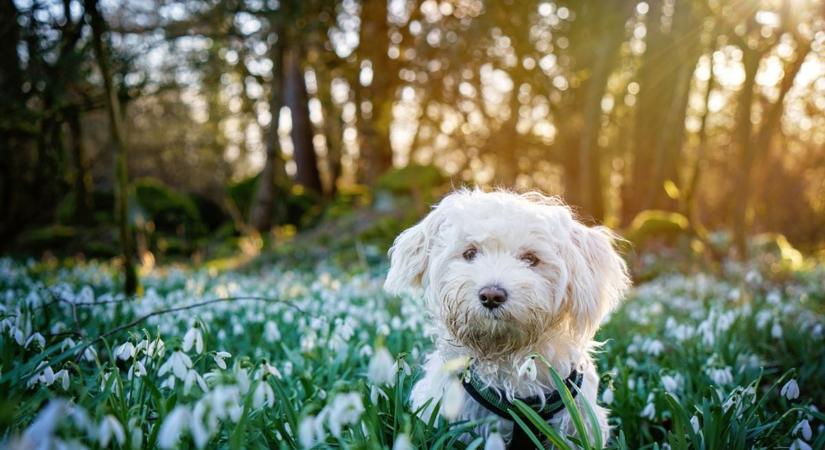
183, 308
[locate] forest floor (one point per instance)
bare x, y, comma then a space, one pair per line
280, 358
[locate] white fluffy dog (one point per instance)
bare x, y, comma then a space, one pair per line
506, 276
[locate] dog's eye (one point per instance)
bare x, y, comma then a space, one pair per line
530, 258
470, 253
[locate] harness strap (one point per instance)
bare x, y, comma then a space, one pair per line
500, 406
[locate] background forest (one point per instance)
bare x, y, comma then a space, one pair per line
219, 120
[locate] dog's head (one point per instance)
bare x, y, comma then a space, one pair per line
504, 271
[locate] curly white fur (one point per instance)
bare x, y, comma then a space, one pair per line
554, 307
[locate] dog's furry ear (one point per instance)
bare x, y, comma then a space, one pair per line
598, 277
409, 254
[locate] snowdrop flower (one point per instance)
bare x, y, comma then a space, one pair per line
494, 441
37, 338
649, 412
776, 330
178, 363
125, 351
63, 376
694, 423
137, 369
799, 444
375, 393
381, 370
40, 433
173, 426
219, 359
264, 395
346, 410
193, 337
200, 433
720, 376
670, 383
156, 348
654, 347
89, 354
607, 396
268, 369
528, 367
193, 377
110, 427
803, 427
790, 390
402, 442
306, 432
271, 332
453, 399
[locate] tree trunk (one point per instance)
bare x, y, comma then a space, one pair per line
297, 99
116, 130
664, 80
750, 59
82, 176
273, 173
754, 149
374, 125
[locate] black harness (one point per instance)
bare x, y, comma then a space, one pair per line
500, 406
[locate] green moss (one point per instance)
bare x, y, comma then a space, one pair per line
656, 225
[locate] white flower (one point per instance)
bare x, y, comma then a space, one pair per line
453, 399
40, 433
528, 367
494, 442
264, 395
720, 376
670, 383
200, 433
607, 396
306, 432
402, 442
776, 330
694, 423
38, 338
803, 427
346, 410
382, 370
271, 332
654, 347
219, 359
173, 426
193, 337
63, 376
179, 363
799, 444
108, 428
375, 393
268, 369
193, 377
125, 351
156, 348
649, 412
790, 390
137, 369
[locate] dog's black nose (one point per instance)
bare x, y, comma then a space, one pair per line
492, 296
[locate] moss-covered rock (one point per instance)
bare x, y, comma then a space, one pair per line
658, 225
169, 210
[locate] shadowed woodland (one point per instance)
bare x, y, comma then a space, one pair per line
197, 128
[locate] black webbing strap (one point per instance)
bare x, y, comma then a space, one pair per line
500, 406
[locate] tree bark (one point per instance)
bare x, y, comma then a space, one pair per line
750, 59
296, 97
116, 130
273, 173
374, 126
82, 177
